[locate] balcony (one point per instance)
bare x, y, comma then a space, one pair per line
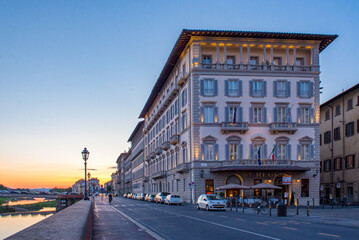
146, 179
183, 167
174, 139
153, 155
160, 174
182, 78
166, 145
251, 67
148, 158
158, 151
240, 127
289, 128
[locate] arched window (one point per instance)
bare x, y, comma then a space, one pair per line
233, 179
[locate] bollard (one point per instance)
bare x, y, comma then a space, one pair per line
297, 206
313, 203
236, 202
270, 208
307, 208
231, 203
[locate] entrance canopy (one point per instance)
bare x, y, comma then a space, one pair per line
232, 186
265, 186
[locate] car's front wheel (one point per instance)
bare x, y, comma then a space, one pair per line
197, 206
207, 208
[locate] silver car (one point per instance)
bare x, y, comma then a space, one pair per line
211, 202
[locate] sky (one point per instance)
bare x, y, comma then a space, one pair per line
76, 74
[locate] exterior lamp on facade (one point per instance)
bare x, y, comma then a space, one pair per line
85, 156
298, 180
202, 173
269, 180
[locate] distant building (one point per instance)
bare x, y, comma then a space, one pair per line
79, 187
108, 186
121, 173
339, 146
94, 185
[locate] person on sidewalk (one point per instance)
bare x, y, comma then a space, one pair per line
110, 198
345, 201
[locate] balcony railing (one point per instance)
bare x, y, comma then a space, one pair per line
241, 127
166, 145
278, 127
145, 179
153, 155
159, 174
251, 162
252, 67
183, 167
174, 139
182, 78
158, 151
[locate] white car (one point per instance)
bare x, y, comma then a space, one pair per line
173, 199
211, 202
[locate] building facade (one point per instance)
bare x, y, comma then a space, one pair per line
236, 107
339, 146
79, 187
121, 173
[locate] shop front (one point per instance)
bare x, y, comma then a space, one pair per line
287, 178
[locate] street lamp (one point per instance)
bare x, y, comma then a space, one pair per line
85, 156
89, 177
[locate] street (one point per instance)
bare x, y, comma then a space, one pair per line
185, 222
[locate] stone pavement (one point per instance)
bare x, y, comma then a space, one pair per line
110, 224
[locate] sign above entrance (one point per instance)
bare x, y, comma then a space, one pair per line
286, 179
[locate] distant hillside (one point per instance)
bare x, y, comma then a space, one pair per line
2, 187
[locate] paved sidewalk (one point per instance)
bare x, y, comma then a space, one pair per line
110, 224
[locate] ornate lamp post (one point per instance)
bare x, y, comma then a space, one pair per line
85, 156
89, 177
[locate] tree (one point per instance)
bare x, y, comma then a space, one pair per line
2, 187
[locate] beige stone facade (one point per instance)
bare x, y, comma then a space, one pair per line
224, 100
339, 150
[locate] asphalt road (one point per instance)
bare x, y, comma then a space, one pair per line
185, 222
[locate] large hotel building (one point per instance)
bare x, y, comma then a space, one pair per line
235, 107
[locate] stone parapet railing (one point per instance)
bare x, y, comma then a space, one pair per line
72, 223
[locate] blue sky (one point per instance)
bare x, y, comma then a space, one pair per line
77, 73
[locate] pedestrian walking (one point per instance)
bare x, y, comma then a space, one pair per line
110, 198
345, 201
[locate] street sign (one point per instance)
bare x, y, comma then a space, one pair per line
321, 188
286, 179
338, 185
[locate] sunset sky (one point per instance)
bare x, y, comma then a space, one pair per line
76, 74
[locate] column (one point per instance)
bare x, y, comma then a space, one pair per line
287, 67
311, 56
241, 56
225, 55
217, 56
271, 58
249, 54
264, 55
241, 53
294, 56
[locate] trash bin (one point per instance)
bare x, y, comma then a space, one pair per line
281, 210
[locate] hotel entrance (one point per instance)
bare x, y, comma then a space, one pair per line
233, 192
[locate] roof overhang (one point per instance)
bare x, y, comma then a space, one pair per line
186, 35
260, 168
137, 128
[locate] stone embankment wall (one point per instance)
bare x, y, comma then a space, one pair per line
72, 223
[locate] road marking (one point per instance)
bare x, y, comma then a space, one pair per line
146, 229
262, 223
240, 219
330, 235
229, 227
291, 228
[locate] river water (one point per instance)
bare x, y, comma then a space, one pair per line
13, 224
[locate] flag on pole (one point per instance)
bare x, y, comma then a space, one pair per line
272, 155
259, 156
234, 115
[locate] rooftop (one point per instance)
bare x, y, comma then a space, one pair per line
186, 35
340, 95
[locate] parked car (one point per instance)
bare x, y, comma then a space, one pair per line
160, 197
173, 199
210, 202
129, 195
150, 198
138, 196
142, 196
134, 196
